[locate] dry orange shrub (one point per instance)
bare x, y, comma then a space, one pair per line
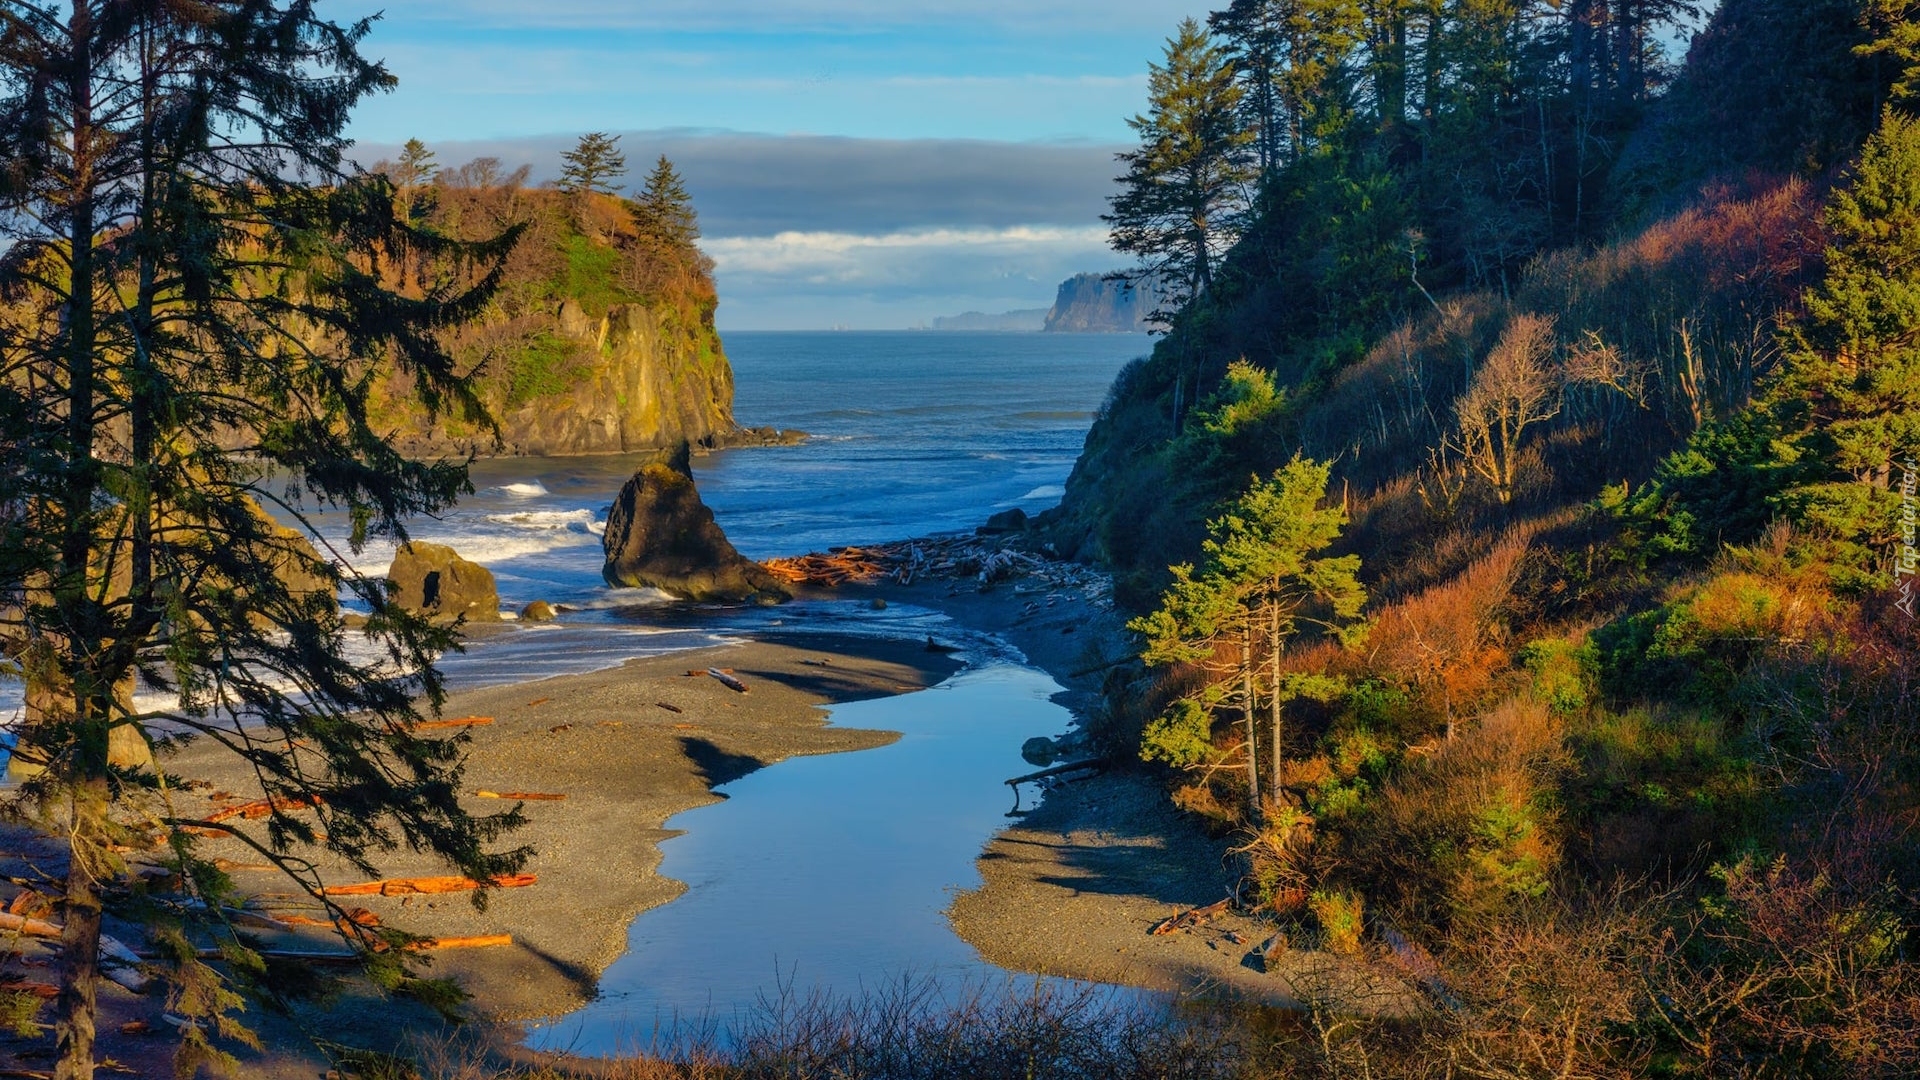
1443, 643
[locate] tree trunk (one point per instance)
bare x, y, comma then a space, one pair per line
1273, 692
85, 769
80, 933
1247, 712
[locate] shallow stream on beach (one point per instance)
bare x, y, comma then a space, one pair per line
826, 874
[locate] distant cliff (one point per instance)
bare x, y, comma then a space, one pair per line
1024, 320
1095, 303
600, 340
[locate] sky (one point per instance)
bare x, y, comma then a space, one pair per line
860, 163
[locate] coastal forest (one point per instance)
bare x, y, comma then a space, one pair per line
1512, 534
1518, 518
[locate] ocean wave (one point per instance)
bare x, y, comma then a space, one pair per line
528, 490
1045, 491
579, 521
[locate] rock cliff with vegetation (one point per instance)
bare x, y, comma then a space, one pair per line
600, 337
1519, 518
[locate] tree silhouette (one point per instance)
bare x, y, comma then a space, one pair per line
195, 318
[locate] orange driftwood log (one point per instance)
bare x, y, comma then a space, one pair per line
260, 808
1190, 917
412, 886
464, 721
20, 924
476, 941
43, 991
529, 796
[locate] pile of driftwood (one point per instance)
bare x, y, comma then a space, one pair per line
834, 567
984, 561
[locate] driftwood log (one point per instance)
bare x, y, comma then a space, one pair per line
1191, 917
416, 886
1091, 765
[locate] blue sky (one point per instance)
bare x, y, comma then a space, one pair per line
856, 162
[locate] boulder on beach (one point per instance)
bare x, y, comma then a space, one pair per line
538, 611
660, 535
433, 580
1006, 521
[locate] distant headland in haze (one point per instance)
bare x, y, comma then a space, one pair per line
1084, 304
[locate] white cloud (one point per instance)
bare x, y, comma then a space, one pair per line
845, 257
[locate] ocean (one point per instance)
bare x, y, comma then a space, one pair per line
913, 433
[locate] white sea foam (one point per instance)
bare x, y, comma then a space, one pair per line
533, 489
577, 521
1045, 491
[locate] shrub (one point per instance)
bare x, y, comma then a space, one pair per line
1339, 915
1565, 673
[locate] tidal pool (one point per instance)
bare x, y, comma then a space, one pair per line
827, 874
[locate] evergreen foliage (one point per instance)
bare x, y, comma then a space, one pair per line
1262, 576
663, 211
593, 164
194, 310
1848, 392
1186, 184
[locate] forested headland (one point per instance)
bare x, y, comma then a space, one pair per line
1519, 517
600, 338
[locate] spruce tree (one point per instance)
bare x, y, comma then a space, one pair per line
593, 164
416, 165
1847, 393
195, 316
664, 211
1186, 186
1262, 575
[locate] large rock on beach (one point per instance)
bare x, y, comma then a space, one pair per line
660, 535
1006, 521
433, 580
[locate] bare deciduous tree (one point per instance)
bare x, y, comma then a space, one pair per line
1518, 386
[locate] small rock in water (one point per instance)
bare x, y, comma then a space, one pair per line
1039, 750
878, 604
538, 611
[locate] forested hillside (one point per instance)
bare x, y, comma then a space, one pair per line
1519, 513
600, 338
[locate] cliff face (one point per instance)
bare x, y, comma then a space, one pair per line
1095, 304
629, 380
599, 340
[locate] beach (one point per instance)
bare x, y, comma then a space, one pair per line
1068, 890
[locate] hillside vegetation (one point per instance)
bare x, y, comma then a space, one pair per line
1519, 513
600, 337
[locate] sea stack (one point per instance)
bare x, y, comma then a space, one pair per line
660, 535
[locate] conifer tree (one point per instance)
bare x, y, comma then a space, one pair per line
193, 322
416, 165
1847, 395
1186, 186
593, 164
1262, 576
664, 211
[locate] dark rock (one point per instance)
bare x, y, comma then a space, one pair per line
433, 580
1006, 521
538, 611
1040, 751
878, 604
660, 535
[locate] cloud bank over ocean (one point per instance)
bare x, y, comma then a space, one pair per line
816, 231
